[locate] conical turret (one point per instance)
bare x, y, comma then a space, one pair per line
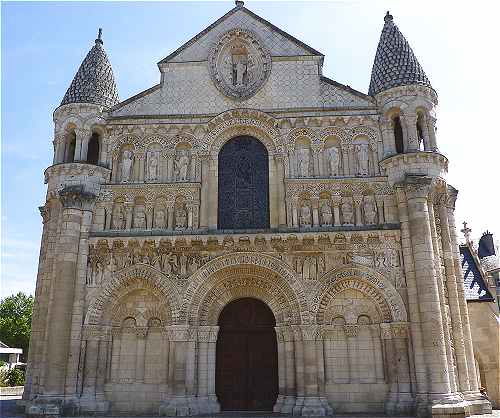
94, 82
395, 63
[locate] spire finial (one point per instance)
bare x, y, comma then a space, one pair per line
239, 3
466, 231
388, 17
99, 36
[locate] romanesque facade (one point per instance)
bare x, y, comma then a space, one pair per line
249, 234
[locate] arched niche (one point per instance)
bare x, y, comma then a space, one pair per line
332, 164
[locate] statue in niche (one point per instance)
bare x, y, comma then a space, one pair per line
193, 266
326, 214
362, 159
140, 217
347, 212
394, 258
305, 215
182, 165
180, 218
127, 161
309, 268
333, 157
370, 210
118, 217
183, 264
152, 162
159, 218
303, 162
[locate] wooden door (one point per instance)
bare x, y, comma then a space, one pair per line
247, 360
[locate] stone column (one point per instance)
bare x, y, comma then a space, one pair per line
289, 212
204, 192
310, 404
290, 389
391, 369
192, 167
141, 333
170, 216
274, 197
390, 209
81, 145
478, 402
280, 179
431, 126
90, 368
434, 344
103, 148
379, 199
129, 210
109, 212
281, 370
181, 368
170, 156
75, 202
207, 399
295, 213
315, 212
213, 194
141, 157
405, 404
149, 215
351, 334
345, 160
413, 304
412, 135
59, 148
377, 348
336, 201
115, 166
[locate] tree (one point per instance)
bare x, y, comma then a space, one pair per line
15, 321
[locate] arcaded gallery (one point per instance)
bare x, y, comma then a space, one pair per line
250, 235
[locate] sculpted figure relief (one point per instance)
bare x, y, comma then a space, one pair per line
333, 157
159, 218
326, 214
370, 210
362, 159
140, 217
180, 218
152, 161
305, 215
303, 162
127, 161
347, 212
118, 218
182, 165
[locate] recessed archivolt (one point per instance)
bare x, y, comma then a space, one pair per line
235, 123
239, 275
371, 284
139, 276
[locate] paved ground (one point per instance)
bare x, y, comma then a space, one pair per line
8, 409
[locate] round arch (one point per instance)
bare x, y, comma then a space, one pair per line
139, 276
242, 275
370, 283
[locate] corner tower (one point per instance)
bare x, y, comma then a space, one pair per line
79, 169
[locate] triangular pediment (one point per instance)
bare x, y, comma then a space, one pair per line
277, 41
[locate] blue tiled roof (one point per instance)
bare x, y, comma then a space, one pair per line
474, 284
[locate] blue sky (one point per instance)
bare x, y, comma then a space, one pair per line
43, 43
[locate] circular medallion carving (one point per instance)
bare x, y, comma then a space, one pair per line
239, 64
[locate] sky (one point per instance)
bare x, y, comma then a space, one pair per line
43, 44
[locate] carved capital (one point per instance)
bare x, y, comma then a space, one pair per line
351, 330
310, 332
418, 187
82, 133
208, 334
399, 329
45, 213
180, 333
385, 331
76, 198
357, 199
141, 332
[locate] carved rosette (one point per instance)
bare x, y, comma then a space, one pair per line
239, 64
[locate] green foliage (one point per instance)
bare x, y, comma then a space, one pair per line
3, 378
15, 377
15, 321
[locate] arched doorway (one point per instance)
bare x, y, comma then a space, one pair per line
246, 376
243, 185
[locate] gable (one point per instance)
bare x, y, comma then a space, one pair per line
475, 287
278, 42
334, 94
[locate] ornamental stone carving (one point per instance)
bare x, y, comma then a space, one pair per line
127, 162
239, 64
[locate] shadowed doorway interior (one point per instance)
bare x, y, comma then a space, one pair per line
247, 359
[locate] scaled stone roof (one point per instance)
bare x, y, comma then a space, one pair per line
94, 82
475, 287
395, 63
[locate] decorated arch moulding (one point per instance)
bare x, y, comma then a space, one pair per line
154, 192
239, 64
336, 187
138, 276
72, 109
231, 128
365, 280
207, 275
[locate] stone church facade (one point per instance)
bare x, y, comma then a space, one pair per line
250, 235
